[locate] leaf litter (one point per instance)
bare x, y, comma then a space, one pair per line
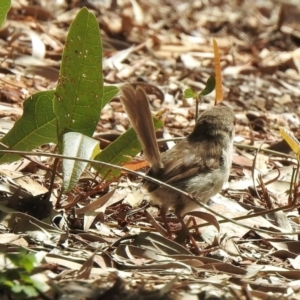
101, 247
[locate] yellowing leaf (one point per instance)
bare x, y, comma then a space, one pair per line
291, 140
219, 90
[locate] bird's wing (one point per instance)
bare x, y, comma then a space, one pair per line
189, 161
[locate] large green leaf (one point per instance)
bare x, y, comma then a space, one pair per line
76, 144
37, 126
4, 8
121, 151
79, 93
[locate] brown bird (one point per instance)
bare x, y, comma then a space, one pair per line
199, 164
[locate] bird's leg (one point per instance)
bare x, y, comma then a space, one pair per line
163, 214
192, 221
185, 228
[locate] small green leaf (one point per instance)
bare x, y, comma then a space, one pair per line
210, 85
121, 151
17, 288
4, 8
23, 260
108, 93
30, 291
81, 146
189, 93
36, 127
39, 283
79, 93
6, 280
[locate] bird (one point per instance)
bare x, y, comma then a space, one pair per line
199, 164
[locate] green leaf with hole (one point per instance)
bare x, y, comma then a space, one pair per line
210, 86
121, 151
4, 8
37, 126
79, 93
81, 146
